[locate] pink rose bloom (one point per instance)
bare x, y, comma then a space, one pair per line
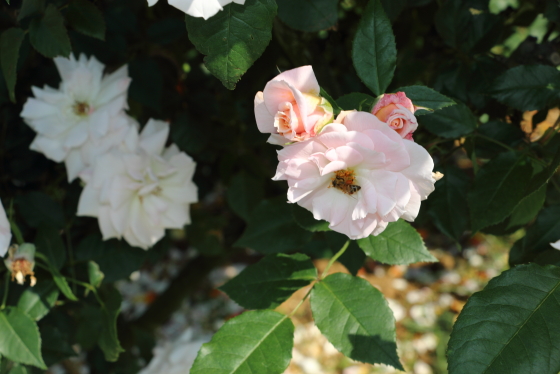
290, 107
397, 111
358, 175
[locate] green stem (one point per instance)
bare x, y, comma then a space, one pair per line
335, 257
13, 225
301, 302
70, 255
6, 288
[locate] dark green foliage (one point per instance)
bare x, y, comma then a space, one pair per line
233, 39
48, 34
86, 18
374, 52
270, 282
10, 43
450, 122
356, 319
241, 344
308, 15
398, 244
509, 327
271, 229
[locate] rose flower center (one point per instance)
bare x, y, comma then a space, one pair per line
345, 181
81, 108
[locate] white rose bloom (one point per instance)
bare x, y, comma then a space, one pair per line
5, 232
177, 357
85, 113
199, 8
138, 195
556, 245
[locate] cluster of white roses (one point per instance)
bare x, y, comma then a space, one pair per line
133, 184
358, 171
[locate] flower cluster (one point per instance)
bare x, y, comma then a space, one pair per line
199, 8
135, 186
359, 171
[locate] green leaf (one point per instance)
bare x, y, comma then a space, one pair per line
244, 194
95, 274
498, 188
233, 39
398, 244
256, 342
527, 87
86, 18
374, 51
18, 369
271, 281
62, 284
49, 243
48, 34
38, 208
20, 340
272, 229
116, 258
10, 42
544, 231
308, 15
38, 300
528, 208
31, 8
356, 100
426, 97
305, 219
450, 122
448, 203
510, 327
356, 319
109, 339
336, 108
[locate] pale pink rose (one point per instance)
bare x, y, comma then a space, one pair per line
556, 245
397, 111
358, 175
290, 107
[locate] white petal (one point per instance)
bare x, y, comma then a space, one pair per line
556, 245
74, 164
51, 148
152, 2
153, 136
197, 8
5, 231
89, 202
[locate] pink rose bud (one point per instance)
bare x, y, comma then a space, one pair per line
397, 111
290, 107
